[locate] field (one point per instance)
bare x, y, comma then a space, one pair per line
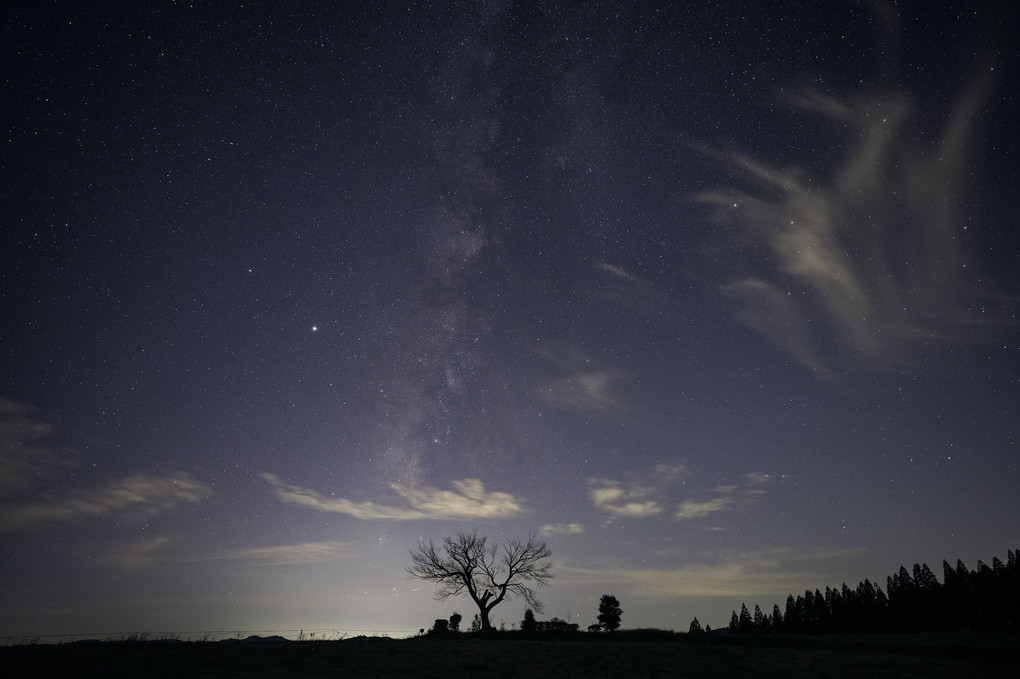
578, 655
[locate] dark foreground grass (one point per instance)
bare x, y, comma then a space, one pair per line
582, 655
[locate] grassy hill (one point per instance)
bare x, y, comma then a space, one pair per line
578, 655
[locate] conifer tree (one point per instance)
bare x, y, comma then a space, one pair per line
761, 625
746, 622
777, 619
924, 579
793, 617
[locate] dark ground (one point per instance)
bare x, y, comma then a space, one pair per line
946, 655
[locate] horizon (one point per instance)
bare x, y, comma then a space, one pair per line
340, 634
721, 303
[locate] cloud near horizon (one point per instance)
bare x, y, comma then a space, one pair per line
467, 500
140, 492
774, 572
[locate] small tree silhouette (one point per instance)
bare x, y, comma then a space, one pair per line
529, 624
695, 627
609, 613
455, 622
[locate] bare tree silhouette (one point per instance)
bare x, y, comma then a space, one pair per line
464, 564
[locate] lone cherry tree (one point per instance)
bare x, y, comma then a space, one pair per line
464, 564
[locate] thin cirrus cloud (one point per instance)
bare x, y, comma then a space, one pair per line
692, 509
728, 497
620, 500
150, 494
865, 264
139, 555
551, 529
618, 286
699, 580
771, 573
31, 455
643, 494
636, 496
467, 500
286, 555
27, 452
584, 384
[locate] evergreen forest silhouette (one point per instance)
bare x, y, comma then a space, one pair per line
984, 599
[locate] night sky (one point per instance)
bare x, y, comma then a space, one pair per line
719, 298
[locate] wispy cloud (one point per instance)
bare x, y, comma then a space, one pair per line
584, 384
619, 500
760, 478
137, 555
727, 497
623, 288
467, 500
771, 572
561, 529
617, 272
865, 264
285, 555
728, 579
670, 472
636, 495
646, 493
28, 453
141, 492
33, 453
692, 509
142, 554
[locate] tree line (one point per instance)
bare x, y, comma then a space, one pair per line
986, 598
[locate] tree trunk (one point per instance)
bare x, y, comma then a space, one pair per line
485, 604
